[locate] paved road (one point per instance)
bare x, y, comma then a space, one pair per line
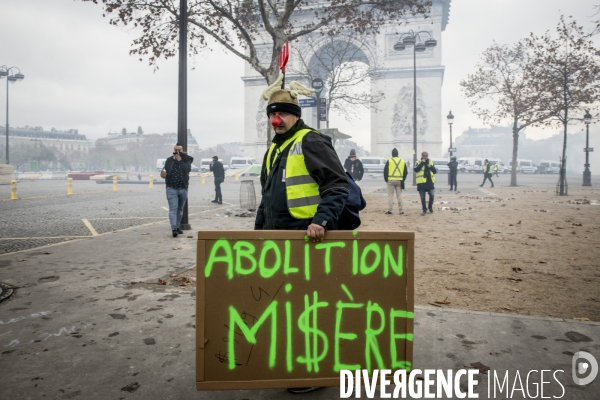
46, 215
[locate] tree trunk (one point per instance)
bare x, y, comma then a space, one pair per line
513, 169
563, 162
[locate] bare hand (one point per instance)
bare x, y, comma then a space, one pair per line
163, 174
177, 156
315, 232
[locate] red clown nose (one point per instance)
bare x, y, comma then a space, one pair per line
276, 121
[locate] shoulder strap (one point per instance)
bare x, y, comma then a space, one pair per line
280, 149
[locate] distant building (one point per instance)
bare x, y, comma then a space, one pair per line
497, 142
192, 145
120, 141
494, 142
63, 142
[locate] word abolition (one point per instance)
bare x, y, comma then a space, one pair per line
242, 258
315, 330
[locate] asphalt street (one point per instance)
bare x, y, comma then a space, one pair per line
45, 214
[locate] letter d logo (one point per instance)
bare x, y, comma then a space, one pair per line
581, 368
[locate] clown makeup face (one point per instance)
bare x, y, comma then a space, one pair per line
282, 121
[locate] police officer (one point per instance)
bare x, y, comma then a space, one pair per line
425, 178
453, 172
394, 173
304, 186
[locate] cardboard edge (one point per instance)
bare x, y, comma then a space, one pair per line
283, 235
268, 384
410, 297
200, 306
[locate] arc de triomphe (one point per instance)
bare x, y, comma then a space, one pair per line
392, 121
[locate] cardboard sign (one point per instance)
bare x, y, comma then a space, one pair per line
275, 310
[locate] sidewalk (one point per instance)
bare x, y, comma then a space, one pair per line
78, 328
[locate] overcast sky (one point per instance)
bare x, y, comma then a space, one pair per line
79, 74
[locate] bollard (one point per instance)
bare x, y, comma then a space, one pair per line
203, 179
13, 190
151, 185
69, 185
237, 174
115, 185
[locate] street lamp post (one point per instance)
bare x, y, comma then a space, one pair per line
407, 40
587, 174
450, 118
10, 78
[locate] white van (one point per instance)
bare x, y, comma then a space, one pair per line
524, 166
441, 164
373, 164
548, 167
470, 164
205, 164
241, 162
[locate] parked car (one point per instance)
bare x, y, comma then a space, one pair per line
373, 164
548, 167
441, 164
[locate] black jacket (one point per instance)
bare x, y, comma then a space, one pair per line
217, 169
354, 168
185, 166
386, 172
453, 166
428, 173
323, 166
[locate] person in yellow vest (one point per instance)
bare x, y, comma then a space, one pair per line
425, 176
487, 173
394, 173
495, 168
304, 186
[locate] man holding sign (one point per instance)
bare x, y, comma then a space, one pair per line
304, 186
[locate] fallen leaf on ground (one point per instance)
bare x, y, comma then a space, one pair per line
21, 259
532, 237
507, 309
161, 282
190, 237
518, 270
433, 304
478, 243
576, 224
176, 248
482, 368
581, 319
46, 252
173, 275
515, 279
474, 251
519, 223
541, 262
515, 290
443, 301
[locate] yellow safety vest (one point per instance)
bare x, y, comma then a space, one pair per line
302, 191
421, 175
396, 169
496, 167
